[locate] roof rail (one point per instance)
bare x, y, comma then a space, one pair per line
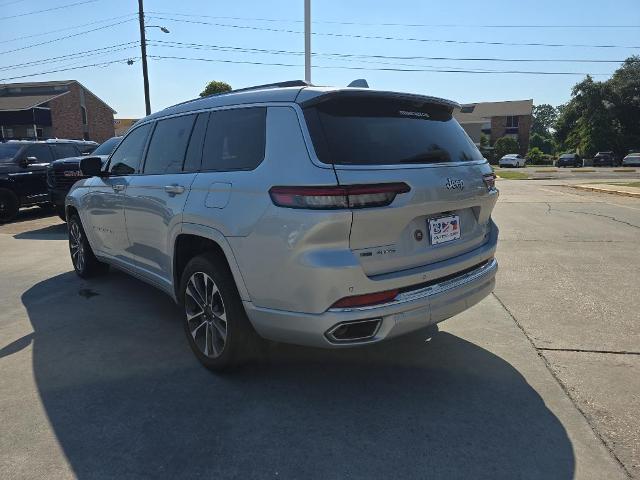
288, 83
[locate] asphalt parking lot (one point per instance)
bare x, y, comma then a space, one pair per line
539, 380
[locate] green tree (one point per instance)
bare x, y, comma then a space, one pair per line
602, 115
505, 145
544, 117
214, 87
543, 143
535, 156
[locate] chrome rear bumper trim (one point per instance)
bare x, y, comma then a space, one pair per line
430, 290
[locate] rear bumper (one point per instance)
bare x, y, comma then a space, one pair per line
410, 311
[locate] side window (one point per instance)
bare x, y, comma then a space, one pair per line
126, 159
194, 151
65, 150
169, 145
235, 139
41, 152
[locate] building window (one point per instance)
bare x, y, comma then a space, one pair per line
83, 112
512, 124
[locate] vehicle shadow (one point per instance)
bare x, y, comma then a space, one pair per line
51, 232
126, 398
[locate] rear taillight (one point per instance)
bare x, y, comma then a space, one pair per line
343, 196
366, 300
490, 180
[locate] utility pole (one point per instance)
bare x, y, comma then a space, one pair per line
307, 40
143, 48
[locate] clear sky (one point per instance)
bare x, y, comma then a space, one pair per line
276, 25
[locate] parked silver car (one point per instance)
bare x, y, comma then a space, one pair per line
329, 217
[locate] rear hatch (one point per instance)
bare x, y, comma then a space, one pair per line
379, 138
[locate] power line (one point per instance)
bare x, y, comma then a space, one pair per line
101, 64
390, 24
66, 28
66, 36
380, 37
200, 46
85, 53
412, 70
48, 9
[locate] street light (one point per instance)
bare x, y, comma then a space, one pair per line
143, 50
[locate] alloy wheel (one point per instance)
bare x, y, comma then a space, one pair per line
76, 245
206, 315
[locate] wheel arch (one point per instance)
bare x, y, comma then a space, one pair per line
193, 240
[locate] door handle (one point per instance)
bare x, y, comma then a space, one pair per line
174, 189
118, 187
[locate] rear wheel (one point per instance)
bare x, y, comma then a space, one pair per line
215, 323
9, 205
84, 261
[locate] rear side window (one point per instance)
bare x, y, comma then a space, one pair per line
126, 159
235, 139
386, 131
63, 150
169, 145
8, 151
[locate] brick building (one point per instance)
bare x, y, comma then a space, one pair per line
60, 109
496, 120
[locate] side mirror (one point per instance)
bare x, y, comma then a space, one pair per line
91, 167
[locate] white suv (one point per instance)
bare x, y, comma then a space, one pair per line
317, 216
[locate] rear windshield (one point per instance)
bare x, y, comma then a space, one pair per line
384, 131
8, 151
567, 155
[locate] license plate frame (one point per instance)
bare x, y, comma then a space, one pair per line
444, 229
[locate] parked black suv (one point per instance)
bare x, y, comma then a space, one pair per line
23, 167
605, 159
63, 173
569, 160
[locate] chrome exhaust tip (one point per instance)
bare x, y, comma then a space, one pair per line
356, 331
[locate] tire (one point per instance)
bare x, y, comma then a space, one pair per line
9, 205
84, 261
61, 213
215, 322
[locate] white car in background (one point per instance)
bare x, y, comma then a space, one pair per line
512, 160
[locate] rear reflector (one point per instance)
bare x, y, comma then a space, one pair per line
490, 180
366, 300
338, 197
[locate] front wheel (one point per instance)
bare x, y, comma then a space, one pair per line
215, 323
84, 261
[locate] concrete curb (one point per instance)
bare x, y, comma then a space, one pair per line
583, 170
624, 170
604, 190
546, 170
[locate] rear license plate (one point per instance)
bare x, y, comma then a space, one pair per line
444, 229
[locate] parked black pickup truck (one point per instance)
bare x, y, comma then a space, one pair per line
63, 173
23, 167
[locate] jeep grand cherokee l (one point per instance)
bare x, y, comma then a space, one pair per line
330, 217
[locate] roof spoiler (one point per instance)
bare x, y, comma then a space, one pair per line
379, 94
